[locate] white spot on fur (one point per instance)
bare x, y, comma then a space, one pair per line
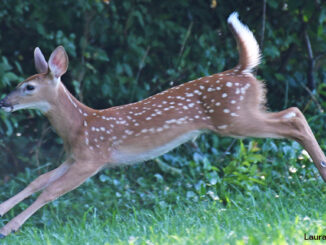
70, 99
290, 115
129, 132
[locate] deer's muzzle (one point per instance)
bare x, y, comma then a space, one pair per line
5, 105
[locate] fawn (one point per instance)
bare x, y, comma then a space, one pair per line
230, 103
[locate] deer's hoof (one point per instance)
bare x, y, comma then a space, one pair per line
2, 236
323, 164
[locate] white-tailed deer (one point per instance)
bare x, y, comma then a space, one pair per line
230, 103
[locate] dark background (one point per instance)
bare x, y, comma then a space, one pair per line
126, 51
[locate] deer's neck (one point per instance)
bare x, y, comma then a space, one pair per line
67, 115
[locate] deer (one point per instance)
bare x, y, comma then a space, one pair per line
229, 103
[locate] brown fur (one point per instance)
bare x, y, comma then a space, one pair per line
230, 103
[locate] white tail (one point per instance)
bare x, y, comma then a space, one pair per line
248, 46
229, 103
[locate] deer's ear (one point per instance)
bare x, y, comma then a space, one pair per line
58, 62
40, 63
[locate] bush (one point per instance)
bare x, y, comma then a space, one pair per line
127, 50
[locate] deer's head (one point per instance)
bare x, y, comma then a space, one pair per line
39, 90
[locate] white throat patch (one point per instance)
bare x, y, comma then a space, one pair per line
43, 106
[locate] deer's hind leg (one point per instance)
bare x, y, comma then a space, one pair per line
289, 123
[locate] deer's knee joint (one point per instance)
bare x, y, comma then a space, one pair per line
48, 195
292, 113
298, 126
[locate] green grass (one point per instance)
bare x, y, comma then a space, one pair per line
262, 192
261, 218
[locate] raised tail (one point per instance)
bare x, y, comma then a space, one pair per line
248, 47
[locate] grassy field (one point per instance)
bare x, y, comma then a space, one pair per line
261, 192
268, 217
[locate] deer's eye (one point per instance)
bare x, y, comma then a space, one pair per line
30, 87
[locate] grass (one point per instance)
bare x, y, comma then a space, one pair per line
261, 218
260, 193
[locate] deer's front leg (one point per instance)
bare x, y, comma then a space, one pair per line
73, 178
38, 184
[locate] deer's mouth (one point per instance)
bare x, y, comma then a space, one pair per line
6, 106
43, 106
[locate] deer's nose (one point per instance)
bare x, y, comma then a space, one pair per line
4, 103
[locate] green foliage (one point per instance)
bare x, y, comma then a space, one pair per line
128, 50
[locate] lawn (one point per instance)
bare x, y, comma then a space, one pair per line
271, 216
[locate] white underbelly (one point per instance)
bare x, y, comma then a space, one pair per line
125, 156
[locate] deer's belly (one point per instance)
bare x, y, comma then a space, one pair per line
145, 150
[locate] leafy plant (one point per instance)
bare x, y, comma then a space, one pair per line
128, 50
